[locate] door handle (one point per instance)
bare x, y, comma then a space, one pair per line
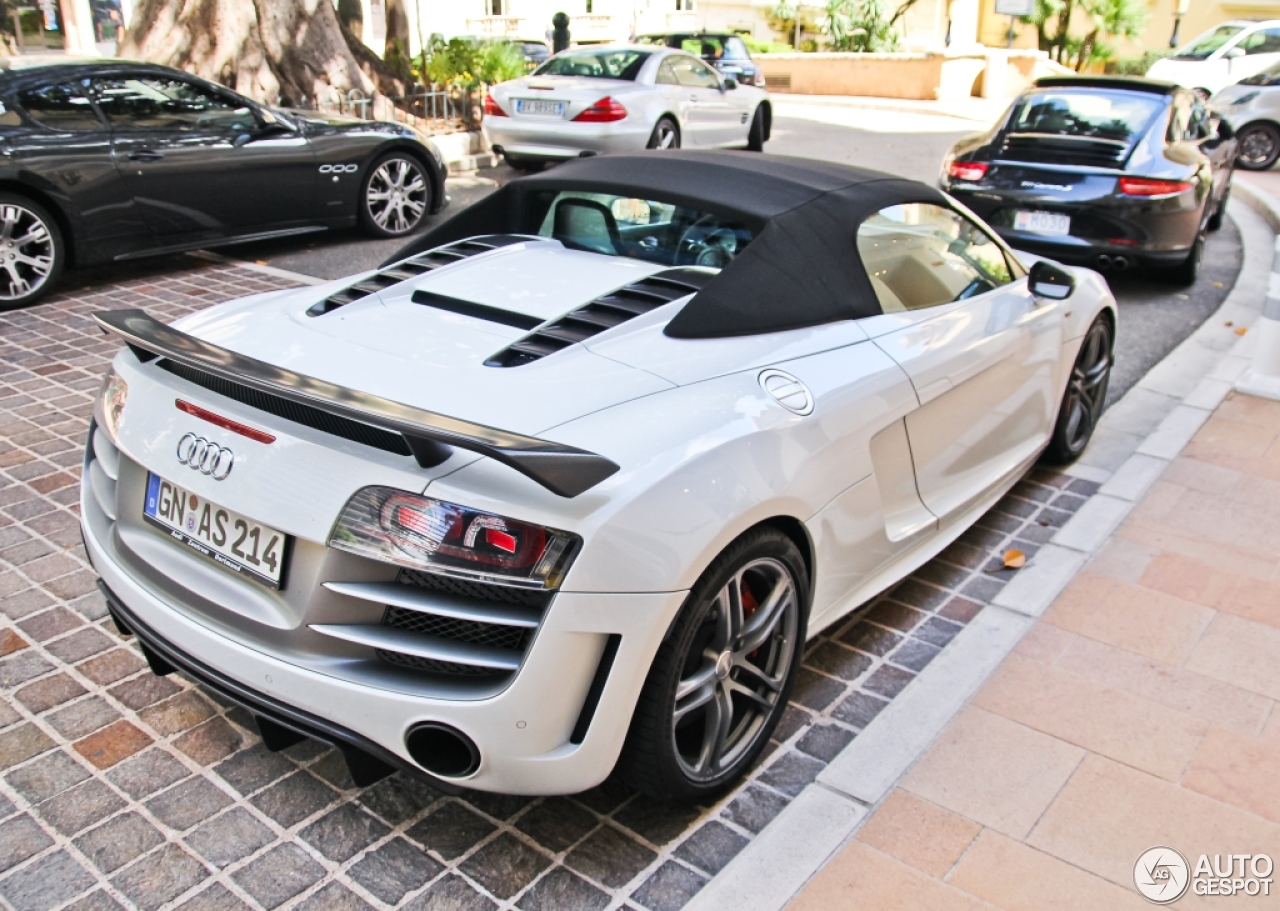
145, 155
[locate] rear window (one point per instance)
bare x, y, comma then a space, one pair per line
1204, 46
614, 64
1119, 116
646, 229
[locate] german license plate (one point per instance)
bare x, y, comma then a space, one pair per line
539, 108
236, 543
1052, 223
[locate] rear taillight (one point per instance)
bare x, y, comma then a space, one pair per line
968, 170
411, 530
491, 108
606, 110
1147, 186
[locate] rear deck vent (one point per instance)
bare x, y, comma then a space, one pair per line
413, 267
603, 313
1064, 150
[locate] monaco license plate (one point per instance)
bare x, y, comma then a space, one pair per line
236, 543
1052, 223
535, 107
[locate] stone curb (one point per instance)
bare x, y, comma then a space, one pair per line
1176, 397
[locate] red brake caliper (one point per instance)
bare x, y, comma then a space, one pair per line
749, 607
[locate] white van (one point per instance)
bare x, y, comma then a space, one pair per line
1222, 56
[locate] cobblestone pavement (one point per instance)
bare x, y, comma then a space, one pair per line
122, 789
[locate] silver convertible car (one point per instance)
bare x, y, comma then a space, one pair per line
622, 99
567, 484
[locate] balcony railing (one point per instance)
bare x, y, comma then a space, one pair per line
497, 26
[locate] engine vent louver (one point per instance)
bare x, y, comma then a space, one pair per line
603, 313
413, 267
1046, 149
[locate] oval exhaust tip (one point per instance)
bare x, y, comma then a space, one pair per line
442, 750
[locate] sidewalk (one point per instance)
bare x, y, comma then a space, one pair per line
1140, 711
983, 111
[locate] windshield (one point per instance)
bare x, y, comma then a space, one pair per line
1206, 44
1100, 115
1269, 76
615, 64
646, 229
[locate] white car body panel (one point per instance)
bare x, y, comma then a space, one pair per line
707, 117
1219, 69
875, 480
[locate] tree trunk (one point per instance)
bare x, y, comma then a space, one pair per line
289, 51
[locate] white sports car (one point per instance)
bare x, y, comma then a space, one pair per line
622, 99
568, 484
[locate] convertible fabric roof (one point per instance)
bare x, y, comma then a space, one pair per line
802, 269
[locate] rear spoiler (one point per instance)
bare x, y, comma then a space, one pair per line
431, 437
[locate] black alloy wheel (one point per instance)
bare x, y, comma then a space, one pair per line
1259, 146
721, 678
1085, 397
755, 139
397, 196
31, 251
666, 135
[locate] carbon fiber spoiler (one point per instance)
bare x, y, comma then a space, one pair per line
563, 470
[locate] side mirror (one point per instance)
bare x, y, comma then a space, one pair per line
730, 82
242, 140
1234, 54
1050, 280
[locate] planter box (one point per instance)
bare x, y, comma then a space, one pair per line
990, 73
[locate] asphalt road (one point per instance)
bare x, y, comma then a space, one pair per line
1154, 315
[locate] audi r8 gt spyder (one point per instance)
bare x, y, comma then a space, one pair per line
1108, 172
567, 484
111, 160
619, 98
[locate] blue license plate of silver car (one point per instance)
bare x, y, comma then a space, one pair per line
235, 542
536, 107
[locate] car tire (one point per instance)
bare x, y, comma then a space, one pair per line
665, 135
1215, 220
755, 138
1186, 272
395, 199
1259, 146
1085, 395
31, 250
721, 668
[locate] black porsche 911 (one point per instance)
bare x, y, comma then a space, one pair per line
111, 160
1106, 172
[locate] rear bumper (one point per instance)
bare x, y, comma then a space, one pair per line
1077, 252
559, 140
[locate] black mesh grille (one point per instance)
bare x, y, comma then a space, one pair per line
431, 665
482, 591
472, 632
1064, 151
355, 431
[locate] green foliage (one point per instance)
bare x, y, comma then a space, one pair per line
862, 25
1053, 20
499, 61
1136, 66
782, 19
464, 63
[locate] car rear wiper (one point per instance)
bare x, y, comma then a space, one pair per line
563, 470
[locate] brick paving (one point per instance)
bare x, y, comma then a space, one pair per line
1140, 711
121, 789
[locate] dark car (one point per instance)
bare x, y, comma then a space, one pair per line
1109, 173
725, 51
103, 161
535, 53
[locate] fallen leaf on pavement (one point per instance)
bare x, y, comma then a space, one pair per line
1013, 559
1241, 330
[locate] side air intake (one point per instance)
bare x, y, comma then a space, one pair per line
413, 267
603, 313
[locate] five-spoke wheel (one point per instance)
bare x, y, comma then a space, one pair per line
1086, 394
30, 251
397, 196
720, 680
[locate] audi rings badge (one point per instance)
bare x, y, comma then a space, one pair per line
339, 168
200, 455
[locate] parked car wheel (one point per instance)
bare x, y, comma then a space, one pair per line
397, 196
666, 134
1215, 220
32, 250
721, 678
1259, 146
1186, 272
1086, 394
755, 139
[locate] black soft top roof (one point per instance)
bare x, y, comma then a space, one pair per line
1124, 83
802, 269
